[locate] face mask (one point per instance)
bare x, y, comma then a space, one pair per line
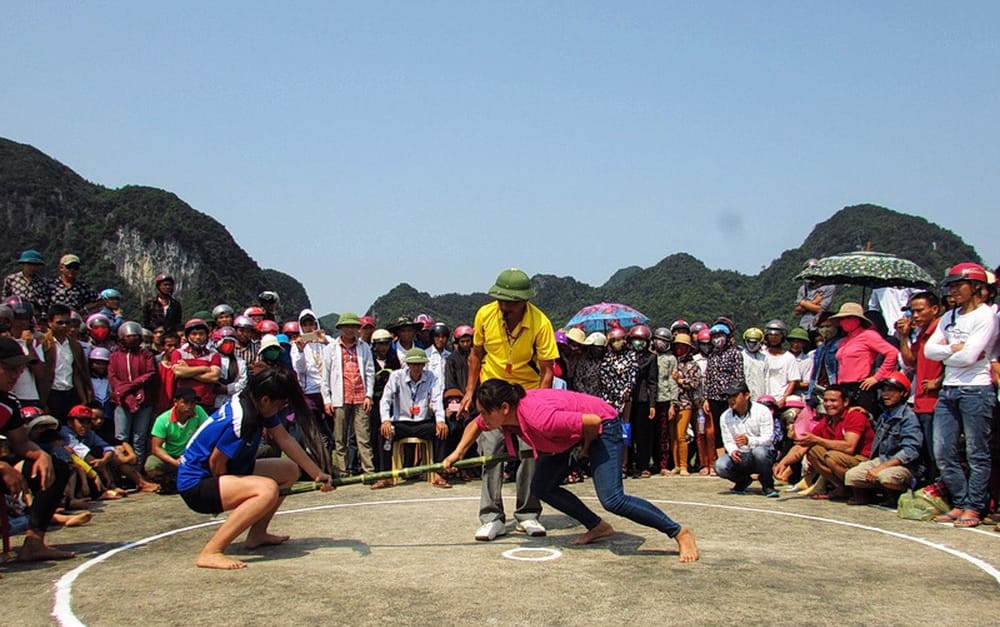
639, 346
752, 345
720, 341
132, 342
618, 345
849, 324
227, 348
660, 346
681, 350
100, 333
827, 332
271, 354
705, 347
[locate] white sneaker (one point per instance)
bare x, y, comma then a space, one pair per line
531, 527
491, 530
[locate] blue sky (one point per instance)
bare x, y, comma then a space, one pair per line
357, 146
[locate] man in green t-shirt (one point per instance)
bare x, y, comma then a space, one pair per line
170, 434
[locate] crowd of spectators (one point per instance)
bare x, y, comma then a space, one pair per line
94, 404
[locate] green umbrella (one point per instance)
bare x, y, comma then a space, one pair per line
867, 269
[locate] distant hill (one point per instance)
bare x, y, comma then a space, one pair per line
126, 236
681, 286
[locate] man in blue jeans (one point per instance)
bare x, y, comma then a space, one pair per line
963, 342
747, 434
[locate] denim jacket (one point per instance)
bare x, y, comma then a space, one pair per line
825, 356
898, 434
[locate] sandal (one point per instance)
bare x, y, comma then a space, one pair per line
949, 517
968, 520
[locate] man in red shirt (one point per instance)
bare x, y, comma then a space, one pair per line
841, 440
913, 331
197, 366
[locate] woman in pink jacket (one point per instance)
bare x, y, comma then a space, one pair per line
857, 356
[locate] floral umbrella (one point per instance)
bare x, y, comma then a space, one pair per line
867, 269
604, 316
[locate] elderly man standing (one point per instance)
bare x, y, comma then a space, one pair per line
513, 341
348, 384
68, 290
28, 284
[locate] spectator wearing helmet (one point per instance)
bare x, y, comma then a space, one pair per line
223, 315
859, 353
111, 308
781, 370
895, 456
754, 358
133, 378
914, 330
256, 314
347, 387
587, 372
619, 368
69, 290
666, 395
812, 299
438, 353
269, 303
367, 329
456, 375
307, 360
98, 363
688, 378
642, 411
28, 283
723, 371
964, 342
514, 341
405, 331
824, 368
162, 309
385, 360
233, 370
101, 336
66, 380
426, 323
799, 344
290, 330
703, 342
196, 365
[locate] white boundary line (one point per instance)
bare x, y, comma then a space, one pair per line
62, 609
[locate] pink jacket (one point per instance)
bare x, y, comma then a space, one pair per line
133, 379
856, 356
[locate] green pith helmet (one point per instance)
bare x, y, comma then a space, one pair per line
512, 284
416, 356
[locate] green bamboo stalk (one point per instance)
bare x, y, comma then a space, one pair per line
402, 473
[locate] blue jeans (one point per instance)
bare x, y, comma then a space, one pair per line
964, 409
606, 469
758, 461
134, 428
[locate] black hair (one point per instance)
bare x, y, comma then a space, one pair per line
931, 298
59, 309
836, 387
495, 392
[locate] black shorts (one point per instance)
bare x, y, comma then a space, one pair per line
204, 498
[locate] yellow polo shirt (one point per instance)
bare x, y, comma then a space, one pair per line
510, 357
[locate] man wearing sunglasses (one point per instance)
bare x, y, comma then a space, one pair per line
67, 289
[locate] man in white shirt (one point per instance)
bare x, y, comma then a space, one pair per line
781, 370
963, 341
747, 434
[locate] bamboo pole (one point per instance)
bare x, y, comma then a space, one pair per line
402, 473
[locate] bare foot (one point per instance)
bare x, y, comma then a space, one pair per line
37, 551
602, 530
686, 544
148, 486
265, 540
109, 495
219, 561
73, 520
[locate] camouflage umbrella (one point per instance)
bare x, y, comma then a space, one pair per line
867, 269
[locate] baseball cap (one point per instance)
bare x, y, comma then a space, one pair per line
68, 259
12, 355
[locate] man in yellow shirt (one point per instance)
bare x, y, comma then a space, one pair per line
513, 341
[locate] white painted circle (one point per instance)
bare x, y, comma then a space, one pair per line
533, 555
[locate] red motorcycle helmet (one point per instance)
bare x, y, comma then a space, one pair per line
267, 327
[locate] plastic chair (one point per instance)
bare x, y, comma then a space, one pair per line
397, 455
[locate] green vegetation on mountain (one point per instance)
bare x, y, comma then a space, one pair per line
680, 286
126, 236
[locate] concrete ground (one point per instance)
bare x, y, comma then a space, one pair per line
406, 556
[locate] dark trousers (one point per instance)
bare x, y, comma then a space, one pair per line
45, 500
422, 429
61, 401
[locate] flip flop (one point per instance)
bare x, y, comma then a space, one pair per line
967, 522
947, 518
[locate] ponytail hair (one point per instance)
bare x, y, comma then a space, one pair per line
495, 392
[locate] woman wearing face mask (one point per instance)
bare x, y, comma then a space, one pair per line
233, 376
824, 370
587, 374
688, 378
724, 370
99, 328
858, 354
132, 377
618, 372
